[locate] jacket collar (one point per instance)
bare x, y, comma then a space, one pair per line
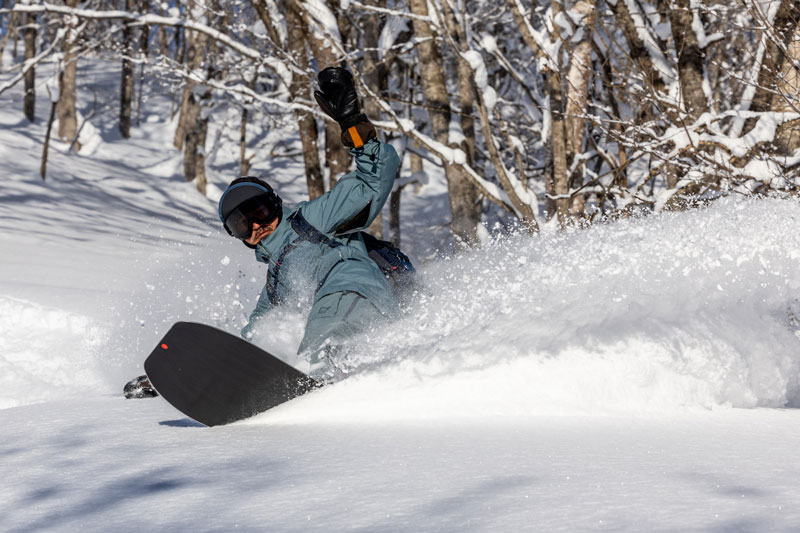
270, 247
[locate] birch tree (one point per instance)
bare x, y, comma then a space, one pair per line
577, 109
67, 114
463, 211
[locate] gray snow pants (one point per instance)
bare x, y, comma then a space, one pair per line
333, 319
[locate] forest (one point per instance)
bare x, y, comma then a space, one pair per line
551, 111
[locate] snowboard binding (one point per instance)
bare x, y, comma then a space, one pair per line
139, 388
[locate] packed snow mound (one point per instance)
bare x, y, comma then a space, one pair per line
670, 312
45, 353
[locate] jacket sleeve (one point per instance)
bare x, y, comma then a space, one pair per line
263, 306
358, 197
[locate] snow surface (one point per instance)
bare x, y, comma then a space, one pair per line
641, 375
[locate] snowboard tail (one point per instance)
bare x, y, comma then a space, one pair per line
217, 378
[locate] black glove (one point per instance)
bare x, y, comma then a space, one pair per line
338, 97
339, 100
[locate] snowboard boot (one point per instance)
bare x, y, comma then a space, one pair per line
139, 388
323, 367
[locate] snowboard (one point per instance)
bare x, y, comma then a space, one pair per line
217, 378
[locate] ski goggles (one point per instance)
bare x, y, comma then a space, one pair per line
260, 209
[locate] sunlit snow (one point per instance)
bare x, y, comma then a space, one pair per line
639, 375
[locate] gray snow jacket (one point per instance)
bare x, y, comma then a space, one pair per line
349, 207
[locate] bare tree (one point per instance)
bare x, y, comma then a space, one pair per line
11, 29
463, 209
581, 109
337, 157
126, 84
29, 33
67, 114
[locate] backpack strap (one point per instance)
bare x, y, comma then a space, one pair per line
272, 279
307, 232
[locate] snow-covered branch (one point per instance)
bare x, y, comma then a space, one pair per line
150, 19
30, 63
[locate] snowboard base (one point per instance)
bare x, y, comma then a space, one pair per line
217, 378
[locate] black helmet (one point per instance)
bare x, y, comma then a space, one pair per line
246, 200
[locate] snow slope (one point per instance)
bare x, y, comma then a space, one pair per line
638, 375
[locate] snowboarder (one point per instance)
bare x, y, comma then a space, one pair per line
319, 243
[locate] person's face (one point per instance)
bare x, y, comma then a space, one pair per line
260, 231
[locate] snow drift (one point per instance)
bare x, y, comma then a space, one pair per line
675, 311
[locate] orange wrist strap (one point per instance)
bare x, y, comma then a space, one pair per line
356, 138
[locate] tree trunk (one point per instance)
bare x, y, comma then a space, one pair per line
463, 210
769, 95
194, 148
558, 185
638, 51
29, 105
787, 138
67, 115
580, 72
690, 59
300, 90
191, 139
394, 216
190, 124
200, 147
244, 161
371, 26
126, 86
337, 156
415, 166
46, 148
12, 28
163, 44
469, 192
196, 46
144, 44
691, 75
